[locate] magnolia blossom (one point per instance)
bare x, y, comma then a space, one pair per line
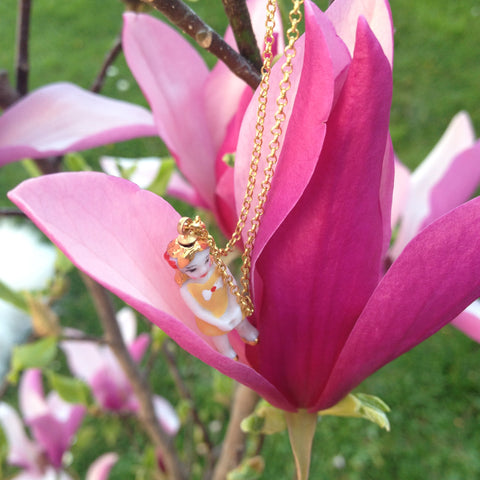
27, 264
52, 423
97, 365
447, 177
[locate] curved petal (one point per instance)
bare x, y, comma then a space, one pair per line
104, 225
444, 180
322, 264
173, 80
31, 397
22, 451
401, 187
100, 468
469, 321
62, 117
344, 15
84, 358
434, 279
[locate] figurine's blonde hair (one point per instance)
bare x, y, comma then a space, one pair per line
179, 256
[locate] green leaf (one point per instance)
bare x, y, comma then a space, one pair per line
249, 469
76, 163
229, 159
266, 419
159, 185
14, 298
361, 405
38, 354
31, 167
71, 389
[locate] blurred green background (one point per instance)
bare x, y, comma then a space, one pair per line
434, 391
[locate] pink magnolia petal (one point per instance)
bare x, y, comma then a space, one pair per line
323, 263
344, 15
401, 188
445, 179
469, 321
62, 117
112, 390
431, 282
31, 395
166, 415
310, 101
179, 188
139, 346
104, 225
100, 468
173, 80
22, 451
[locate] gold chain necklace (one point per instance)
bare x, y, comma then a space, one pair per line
192, 230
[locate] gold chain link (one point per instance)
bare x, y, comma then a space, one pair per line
196, 227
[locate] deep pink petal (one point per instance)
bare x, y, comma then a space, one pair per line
434, 279
112, 390
117, 233
100, 468
173, 80
139, 346
344, 15
322, 264
310, 100
445, 179
469, 321
62, 117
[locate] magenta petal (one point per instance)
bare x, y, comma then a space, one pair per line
322, 264
469, 321
431, 282
173, 80
104, 225
61, 117
100, 468
400, 191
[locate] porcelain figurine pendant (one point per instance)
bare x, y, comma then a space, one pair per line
202, 287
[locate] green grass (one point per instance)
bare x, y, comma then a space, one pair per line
433, 390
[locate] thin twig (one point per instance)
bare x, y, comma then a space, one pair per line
239, 18
189, 22
186, 395
109, 59
23, 32
11, 212
8, 94
146, 414
234, 443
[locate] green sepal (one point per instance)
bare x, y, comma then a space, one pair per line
38, 354
361, 405
159, 185
76, 162
249, 469
71, 389
31, 167
266, 420
14, 298
229, 159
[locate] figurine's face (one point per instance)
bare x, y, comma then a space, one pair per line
199, 266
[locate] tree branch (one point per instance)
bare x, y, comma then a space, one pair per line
109, 59
23, 31
234, 443
8, 95
146, 414
239, 18
190, 23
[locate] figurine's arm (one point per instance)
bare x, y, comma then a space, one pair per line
228, 321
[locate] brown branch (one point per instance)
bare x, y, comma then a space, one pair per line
190, 23
185, 394
146, 413
239, 18
11, 212
23, 32
8, 95
109, 59
234, 443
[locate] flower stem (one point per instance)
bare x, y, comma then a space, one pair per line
301, 428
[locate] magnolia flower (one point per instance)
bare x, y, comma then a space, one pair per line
447, 177
52, 423
27, 264
327, 314
97, 365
